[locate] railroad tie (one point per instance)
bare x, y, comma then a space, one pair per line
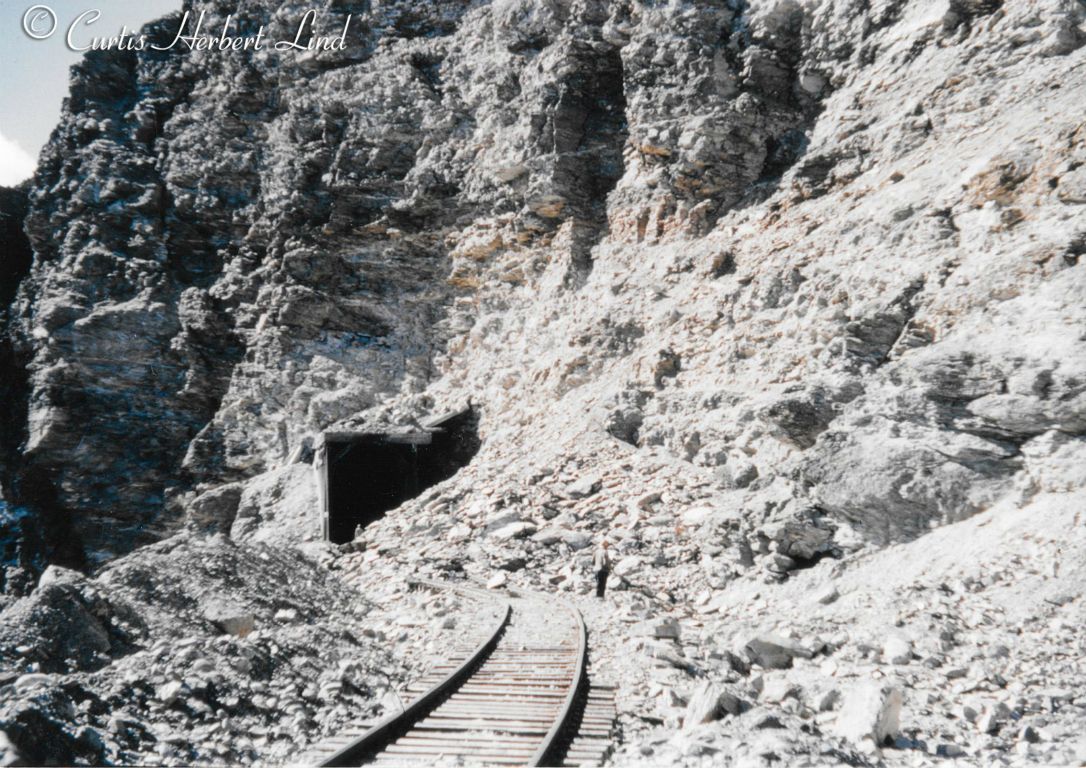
519, 697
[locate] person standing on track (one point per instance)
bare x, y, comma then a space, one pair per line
602, 564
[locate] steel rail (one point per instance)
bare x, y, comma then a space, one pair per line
470, 692
547, 754
389, 727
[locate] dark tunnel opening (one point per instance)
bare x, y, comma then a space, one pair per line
369, 474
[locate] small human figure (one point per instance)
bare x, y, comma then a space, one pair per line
602, 563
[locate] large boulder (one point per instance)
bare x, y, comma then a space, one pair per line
870, 712
279, 507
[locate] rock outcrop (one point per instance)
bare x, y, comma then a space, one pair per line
594, 179
762, 292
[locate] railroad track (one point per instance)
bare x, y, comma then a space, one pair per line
516, 692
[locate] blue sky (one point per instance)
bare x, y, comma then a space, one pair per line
34, 73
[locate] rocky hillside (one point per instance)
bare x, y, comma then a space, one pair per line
774, 295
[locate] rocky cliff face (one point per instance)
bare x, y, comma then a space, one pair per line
193, 314
368, 220
774, 282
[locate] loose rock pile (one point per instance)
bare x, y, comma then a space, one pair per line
783, 299
199, 650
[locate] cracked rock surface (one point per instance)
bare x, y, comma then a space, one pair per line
782, 298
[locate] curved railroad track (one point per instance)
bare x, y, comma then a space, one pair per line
515, 692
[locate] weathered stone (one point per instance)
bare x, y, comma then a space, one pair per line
229, 617
870, 711
993, 718
710, 702
169, 692
577, 540
627, 565
897, 649
216, 509
777, 690
664, 628
519, 530
774, 652
23, 683
583, 488
549, 535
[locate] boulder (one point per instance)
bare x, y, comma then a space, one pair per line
710, 702
774, 652
577, 540
278, 507
550, 535
65, 624
56, 574
31, 680
779, 689
216, 509
665, 628
897, 649
993, 717
230, 617
518, 530
870, 712
170, 692
33, 736
583, 488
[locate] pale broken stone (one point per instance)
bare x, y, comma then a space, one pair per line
993, 717
665, 628
169, 692
230, 618
710, 702
897, 649
31, 680
779, 689
870, 712
584, 487
517, 530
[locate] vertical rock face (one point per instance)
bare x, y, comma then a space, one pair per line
33, 530
769, 238
15, 258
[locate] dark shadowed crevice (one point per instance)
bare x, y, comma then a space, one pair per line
34, 530
781, 153
802, 563
15, 253
599, 154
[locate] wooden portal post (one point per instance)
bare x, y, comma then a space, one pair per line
320, 471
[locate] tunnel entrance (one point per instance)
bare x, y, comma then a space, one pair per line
366, 474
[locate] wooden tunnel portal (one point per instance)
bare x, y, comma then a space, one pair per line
365, 474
